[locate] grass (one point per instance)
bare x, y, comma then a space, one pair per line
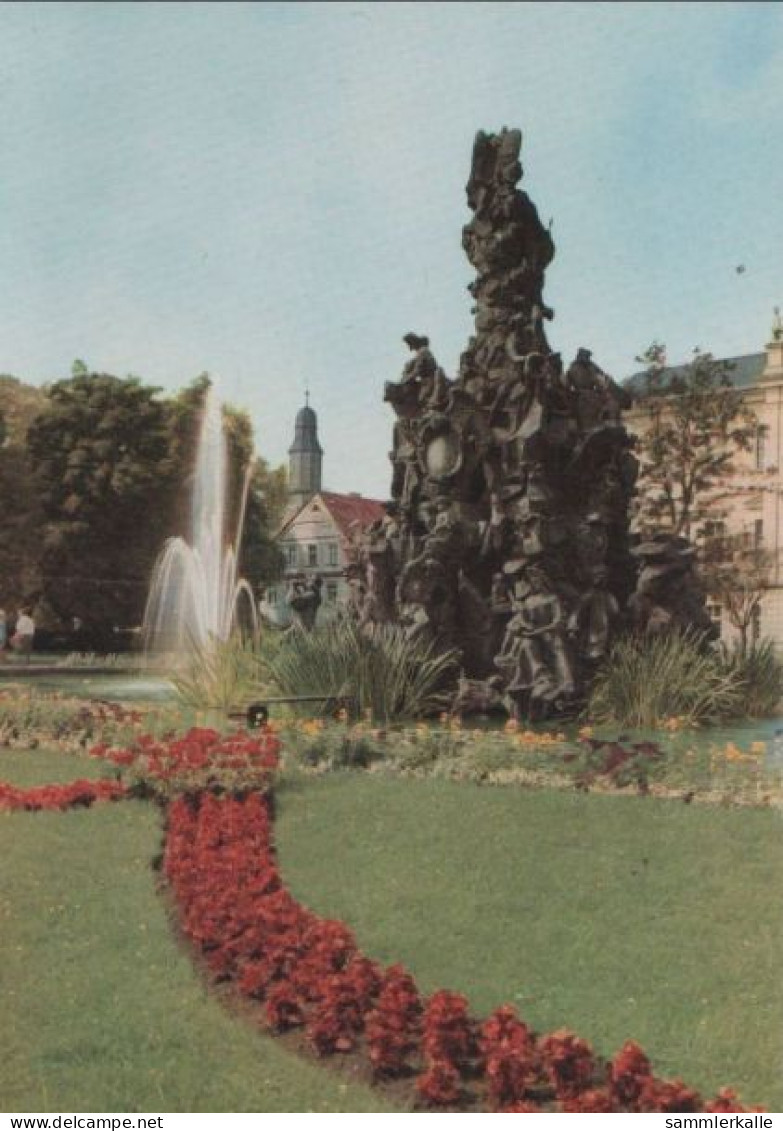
102, 1010
618, 917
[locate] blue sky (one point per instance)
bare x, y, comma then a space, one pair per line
275, 192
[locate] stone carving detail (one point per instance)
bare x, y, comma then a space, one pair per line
507, 535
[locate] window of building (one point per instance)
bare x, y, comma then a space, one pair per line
755, 625
762, 435
289, 554
312, 554
332, 553
758, 533
331, 592
716, 543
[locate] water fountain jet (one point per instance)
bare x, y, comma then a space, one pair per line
195, 592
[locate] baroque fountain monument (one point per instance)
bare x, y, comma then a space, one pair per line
507, 535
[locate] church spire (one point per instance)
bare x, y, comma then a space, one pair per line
304, 456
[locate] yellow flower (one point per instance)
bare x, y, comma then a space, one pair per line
511, 726
586, 732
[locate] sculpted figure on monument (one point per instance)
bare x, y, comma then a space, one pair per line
535, 656
668, 592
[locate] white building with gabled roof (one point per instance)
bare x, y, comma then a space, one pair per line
318, 528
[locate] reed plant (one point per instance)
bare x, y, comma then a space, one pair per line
385, 673
647, 680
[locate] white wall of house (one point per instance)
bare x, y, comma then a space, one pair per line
311, 546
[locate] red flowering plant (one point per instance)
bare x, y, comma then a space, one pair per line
668, 1095
510, 1058
440, 1085
54, 797
393, 1027
450, 1047
201, 759
727, 1100
629, 1072
589, 1100
337, 1019
568, 1061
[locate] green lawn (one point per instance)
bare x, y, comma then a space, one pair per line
102, 1011
618, 917
615, 916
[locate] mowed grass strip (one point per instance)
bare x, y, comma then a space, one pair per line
617, 917
29, 768
102, 1009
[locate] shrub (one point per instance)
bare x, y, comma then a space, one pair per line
378, 667
647, 679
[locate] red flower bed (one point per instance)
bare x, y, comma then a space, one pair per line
307, 972
77, 793
201, 759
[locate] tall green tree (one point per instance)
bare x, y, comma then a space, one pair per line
695, 424
102, 458
20, 511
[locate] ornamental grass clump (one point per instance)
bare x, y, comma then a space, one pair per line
378, 667
760, 670
648, 679
220, 674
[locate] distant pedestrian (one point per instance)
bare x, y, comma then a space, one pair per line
22, 640
3, 633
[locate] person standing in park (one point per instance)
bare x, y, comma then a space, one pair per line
3, 634
22, 640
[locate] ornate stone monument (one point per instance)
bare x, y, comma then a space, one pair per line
507, 534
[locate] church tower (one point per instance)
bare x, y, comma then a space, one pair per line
304, 457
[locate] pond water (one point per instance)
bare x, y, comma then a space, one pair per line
83, 685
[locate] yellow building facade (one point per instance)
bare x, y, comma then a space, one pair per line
750, 512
